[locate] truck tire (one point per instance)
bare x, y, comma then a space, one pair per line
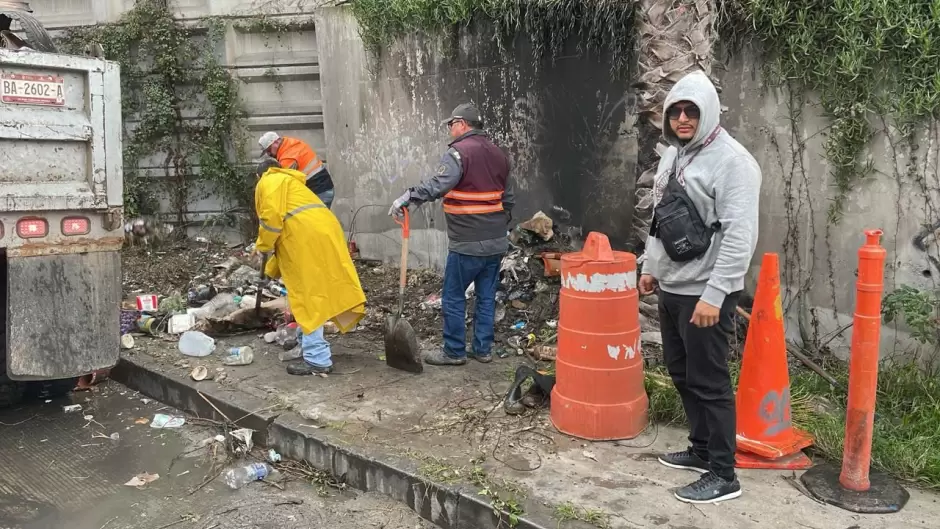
50, 389
11, 391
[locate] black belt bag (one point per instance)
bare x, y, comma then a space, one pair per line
679, 226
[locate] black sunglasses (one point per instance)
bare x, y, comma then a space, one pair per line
691, 112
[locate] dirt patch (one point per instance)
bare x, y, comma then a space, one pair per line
171, 267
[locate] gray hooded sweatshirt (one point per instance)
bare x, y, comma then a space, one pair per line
723, 181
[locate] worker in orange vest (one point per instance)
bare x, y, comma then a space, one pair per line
292, 153
478, 195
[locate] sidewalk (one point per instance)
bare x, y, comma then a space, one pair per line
441, 443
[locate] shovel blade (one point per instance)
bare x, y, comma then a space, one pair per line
401, 346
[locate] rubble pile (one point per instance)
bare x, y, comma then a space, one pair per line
199, 286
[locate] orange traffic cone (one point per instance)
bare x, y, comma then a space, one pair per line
766, 438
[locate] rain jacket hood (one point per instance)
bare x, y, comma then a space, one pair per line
723, 181
310, 252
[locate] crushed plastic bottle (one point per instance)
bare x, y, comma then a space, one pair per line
195, 343
238, 477
239, 356
287, 335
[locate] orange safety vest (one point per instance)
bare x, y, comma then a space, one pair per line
294, 150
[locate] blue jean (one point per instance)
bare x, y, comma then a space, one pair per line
316, 349
327, 197
459, 272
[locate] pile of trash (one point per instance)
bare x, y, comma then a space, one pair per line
226, 298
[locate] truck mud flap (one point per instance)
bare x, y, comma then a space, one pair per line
63, 314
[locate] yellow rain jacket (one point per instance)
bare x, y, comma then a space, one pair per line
310, 252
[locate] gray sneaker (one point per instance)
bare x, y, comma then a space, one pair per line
438, 357
710, 488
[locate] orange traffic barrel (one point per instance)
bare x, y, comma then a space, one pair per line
599, 393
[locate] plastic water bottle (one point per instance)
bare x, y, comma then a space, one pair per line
278, 290
239, 356
238, 477
195, 343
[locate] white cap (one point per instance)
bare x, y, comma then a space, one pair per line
268, 139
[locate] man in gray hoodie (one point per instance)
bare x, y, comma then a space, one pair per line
702, 238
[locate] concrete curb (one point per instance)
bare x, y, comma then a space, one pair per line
445, 506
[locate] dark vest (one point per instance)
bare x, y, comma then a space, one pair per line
474, 208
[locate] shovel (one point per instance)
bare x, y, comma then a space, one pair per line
264, 264
401, 344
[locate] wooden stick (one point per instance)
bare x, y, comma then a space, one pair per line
215, 408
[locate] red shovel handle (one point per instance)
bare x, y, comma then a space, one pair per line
405, 223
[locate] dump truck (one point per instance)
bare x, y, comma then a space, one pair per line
61, 214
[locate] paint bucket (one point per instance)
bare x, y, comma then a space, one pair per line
145, 324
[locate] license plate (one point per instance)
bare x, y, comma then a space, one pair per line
27, 89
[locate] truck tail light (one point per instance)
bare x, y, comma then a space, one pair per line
75, 226
32, 228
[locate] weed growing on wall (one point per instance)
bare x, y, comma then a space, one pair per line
180, 105
863, 57
604, 24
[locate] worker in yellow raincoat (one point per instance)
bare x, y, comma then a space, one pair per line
311, 255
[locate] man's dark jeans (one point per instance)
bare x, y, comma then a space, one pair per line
697, 360
459, 272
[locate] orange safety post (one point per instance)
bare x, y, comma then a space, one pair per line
599, 392
855, 488
863, 365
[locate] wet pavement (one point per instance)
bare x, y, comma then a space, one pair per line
69, 469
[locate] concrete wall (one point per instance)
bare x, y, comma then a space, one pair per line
279, 76
819, 259
568, 128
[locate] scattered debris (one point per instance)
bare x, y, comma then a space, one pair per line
199, 373
161, 420
589, 455
541, 225
244, 436
195, 343
127, 341
238, 477
72, 408
311, 414
141, 480
147, 303
180, 323
433, 302
239, 356
273, 456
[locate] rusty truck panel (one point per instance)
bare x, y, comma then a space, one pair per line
61, 216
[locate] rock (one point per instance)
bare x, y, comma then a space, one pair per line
646, 179
517, 304
541, 225
650, 311
648, 324
651, 337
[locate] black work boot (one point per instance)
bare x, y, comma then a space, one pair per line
303, 368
